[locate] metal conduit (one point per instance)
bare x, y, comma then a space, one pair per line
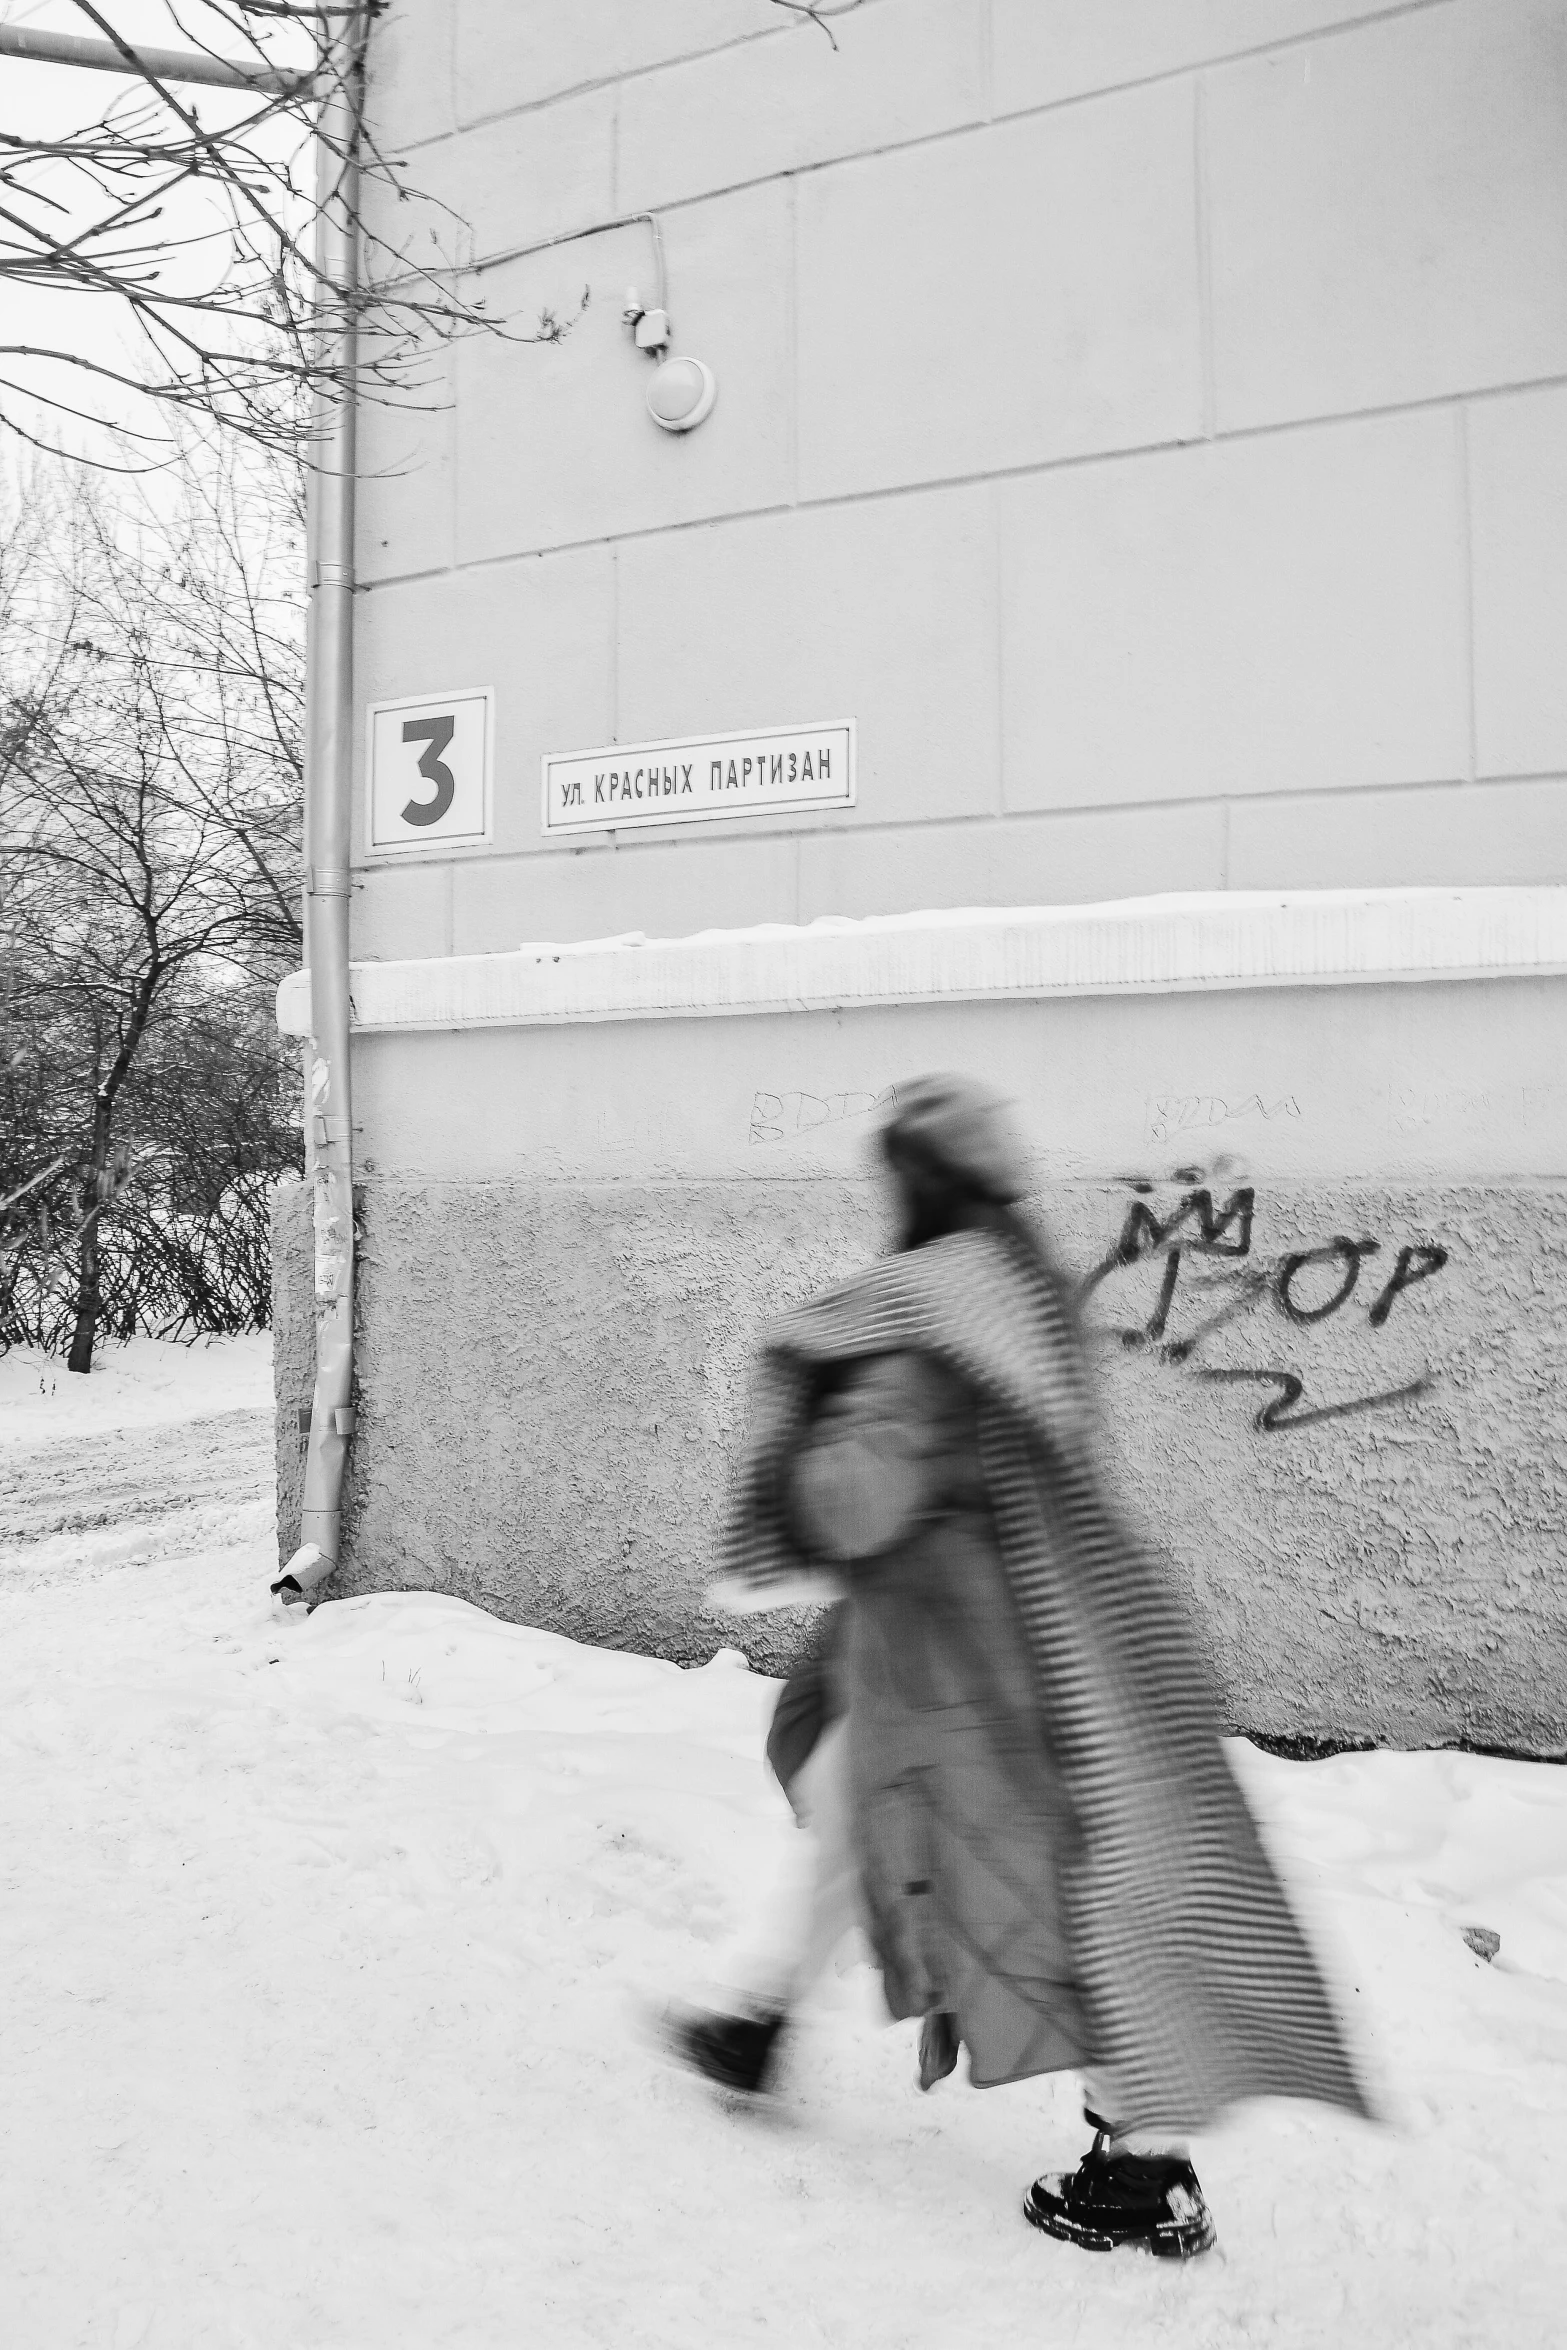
164, 65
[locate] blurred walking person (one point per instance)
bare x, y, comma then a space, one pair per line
1009, 1760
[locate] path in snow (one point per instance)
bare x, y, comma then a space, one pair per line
158, 1446
121, 1476
323, 1940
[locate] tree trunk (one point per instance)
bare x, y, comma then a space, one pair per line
88, 1301
98, 1189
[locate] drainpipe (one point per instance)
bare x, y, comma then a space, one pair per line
328, 805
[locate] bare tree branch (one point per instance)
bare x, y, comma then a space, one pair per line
198, 218
819, 11
151, 696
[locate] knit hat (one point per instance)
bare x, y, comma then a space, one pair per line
963, 1127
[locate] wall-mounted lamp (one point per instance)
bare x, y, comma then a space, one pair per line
683, 390
681, 393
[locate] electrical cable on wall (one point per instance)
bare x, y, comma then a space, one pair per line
682, 390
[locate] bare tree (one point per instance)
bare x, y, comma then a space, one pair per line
150, 699
197, 216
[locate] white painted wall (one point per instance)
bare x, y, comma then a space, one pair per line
1419, 1084
1374, 1036
1148, 418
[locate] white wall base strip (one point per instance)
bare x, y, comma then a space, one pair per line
1135, 946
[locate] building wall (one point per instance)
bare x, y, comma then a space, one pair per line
1147, 419
571, 1235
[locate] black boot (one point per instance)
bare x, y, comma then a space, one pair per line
1152, 2201
735, 2051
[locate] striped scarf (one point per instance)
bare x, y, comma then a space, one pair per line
1197, 1981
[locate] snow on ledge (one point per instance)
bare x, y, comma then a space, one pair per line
1134, 946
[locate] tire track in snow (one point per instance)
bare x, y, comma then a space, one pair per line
124, 1492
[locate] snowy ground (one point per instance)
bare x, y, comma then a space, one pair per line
153, 1383
324, 1941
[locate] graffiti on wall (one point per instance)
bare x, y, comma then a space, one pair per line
1167, 1114
775, 1117
1211, 1273
1199, 1224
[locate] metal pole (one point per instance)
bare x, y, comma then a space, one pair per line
165, 65
328, 749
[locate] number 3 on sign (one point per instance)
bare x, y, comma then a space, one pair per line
429, 763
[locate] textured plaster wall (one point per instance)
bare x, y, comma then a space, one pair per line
550, 1380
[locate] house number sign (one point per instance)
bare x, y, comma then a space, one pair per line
429, 763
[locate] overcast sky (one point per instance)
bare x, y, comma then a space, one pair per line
48, 100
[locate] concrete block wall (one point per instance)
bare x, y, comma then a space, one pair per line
1149, 421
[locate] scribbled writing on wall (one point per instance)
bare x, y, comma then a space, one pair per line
1303, 1287
1168, 1114
1479, 1109
775, 1117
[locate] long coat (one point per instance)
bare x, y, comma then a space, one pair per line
961, 1818
1052, 1845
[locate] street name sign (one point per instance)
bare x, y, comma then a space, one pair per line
700, 778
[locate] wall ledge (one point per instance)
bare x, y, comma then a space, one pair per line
1133, 946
